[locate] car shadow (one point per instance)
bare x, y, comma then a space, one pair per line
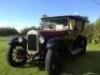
41, 66
88, 64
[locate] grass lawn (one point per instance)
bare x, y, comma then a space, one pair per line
85, 65
6, 69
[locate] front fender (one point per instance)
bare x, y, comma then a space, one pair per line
55, 43
14, 41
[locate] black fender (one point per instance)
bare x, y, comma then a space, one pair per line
14, 41
55, 44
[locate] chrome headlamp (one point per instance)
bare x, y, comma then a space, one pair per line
20, 39
41, 39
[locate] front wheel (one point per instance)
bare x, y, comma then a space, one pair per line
53, 62
16, 55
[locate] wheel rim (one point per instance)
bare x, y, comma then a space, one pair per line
18, 54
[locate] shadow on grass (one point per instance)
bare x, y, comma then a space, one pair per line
41, 67
88, 64
83, 65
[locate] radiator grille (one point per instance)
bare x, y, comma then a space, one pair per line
32, 42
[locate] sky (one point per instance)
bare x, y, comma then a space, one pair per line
26, 13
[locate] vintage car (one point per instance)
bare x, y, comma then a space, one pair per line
57, 37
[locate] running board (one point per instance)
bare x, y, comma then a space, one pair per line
76, 51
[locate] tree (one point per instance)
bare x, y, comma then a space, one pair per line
25, 30
97, 31
89, 32
8, 31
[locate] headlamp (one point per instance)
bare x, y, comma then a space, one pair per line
20, 39
41, 39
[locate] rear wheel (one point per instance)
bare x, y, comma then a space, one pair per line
53, 62
83, 44
80, 46
17, 55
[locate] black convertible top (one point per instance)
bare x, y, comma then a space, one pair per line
63, 18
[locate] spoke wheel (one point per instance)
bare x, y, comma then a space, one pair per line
17, 56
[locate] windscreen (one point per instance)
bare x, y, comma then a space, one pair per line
56, 23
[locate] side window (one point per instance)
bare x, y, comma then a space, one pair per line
72, 24
79, 25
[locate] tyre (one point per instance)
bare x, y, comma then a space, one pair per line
16, 55
83, 44
53, 62
80, 46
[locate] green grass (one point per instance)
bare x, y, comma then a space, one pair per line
85, 65
94, 47
6, 69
